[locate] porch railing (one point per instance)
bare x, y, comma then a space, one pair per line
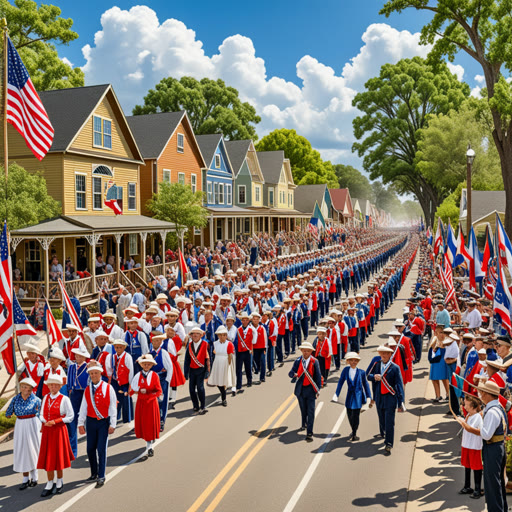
108, 281
153, 271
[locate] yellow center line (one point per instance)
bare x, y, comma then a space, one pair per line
247, 460
195, 506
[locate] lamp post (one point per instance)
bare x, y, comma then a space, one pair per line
470, 156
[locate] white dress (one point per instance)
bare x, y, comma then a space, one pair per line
223, 373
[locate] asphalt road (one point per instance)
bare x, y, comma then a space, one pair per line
248, 456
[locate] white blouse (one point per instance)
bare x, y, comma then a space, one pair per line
66, 409
469, 440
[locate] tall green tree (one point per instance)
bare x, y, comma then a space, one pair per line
481, 29
35, 30
212, 106
176, 203
307, 165
395, 106
28, 201
386, 198
358, 184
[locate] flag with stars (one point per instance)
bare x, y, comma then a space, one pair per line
21, 323
24, 108
6, 316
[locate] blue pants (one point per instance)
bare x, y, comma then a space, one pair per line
124, 403
417, 343
362, 336
287, 342
97, 441
494, 459
305, 327
259, 358
354, 343
336, 357
243, 360
279, 347
76, 400
196, 387
387, 423
307, 399
164, 404
271, 357
314, 318
296, 336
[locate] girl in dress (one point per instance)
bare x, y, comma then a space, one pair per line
146, 384
358, 392
53, 367
55, 454
223, 369
471, 454
27, 432
438, 368
173, 345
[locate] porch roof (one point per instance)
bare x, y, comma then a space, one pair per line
81, 225
232, 211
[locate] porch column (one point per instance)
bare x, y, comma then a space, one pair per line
225, 228
163, 236
211, 233
202, 238
93, 240
118, 237
253, 229
143, 237
45, 244
269, 229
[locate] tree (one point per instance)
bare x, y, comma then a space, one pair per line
307, 165
385, 198
441, 157
449, 209
176, 203
211, 105
358, 184
34, 31
28, 202
480, 28
395, 105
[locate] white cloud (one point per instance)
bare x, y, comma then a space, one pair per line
134, 51
67, 61
457, 70
480, 79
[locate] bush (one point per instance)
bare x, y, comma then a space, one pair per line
6, 424
57, 314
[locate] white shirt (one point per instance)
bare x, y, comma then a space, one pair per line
352, 373
469, 440
452, 351
166, 360
112, 406
492, 418
66, 409
474, 318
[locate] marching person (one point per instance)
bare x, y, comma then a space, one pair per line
223, 368
245, 339
164, 369
173, 344
120, 372
358, 392
305, 373
27, 432
323, 352
55, 454
197, 368
33, 364
97, 419
388, 393
136, 341
53, 367
146, 384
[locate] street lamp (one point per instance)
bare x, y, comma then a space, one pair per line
470, 156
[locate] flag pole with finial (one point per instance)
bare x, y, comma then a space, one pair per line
4, 88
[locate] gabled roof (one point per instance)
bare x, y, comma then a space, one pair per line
483, 202
237, 151
153, 131
208, 145
307, 195
341, 201
69, 109
271, 163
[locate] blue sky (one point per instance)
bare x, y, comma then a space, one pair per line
299, 62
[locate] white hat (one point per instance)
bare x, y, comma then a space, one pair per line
244, 315
93, 319
133, 309
100, 332
160, 337
31, 348
329, 319
162, 296
226, 297
175, 289
132, 319
394, 333
352, 355
109, 314
255, 314
454, 336
321, 329
196, 329
57, 353
29, 381
482, 351
382, 348
173, 311
72, 326
221, 330
53, 378
391, 342
81, 352
94, 366
306, 345
146, 358
120, 342
152, 309
399, 322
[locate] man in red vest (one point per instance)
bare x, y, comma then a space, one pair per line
197, 368
97, 418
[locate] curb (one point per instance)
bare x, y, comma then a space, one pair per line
7, 436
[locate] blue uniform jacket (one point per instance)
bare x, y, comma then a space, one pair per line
394, 379
317, 376
358, 389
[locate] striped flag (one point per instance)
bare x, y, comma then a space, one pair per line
54, 332
490, 282
24, 108
438, 239
458, 384
182, 270
21, 323
502, 300
6, 316
69, 306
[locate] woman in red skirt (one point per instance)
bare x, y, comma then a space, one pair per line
147, 412
55, 453
471, 454
172, 343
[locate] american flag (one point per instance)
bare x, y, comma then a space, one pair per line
21, 323
114, 198
69, 307
490, 284
24, 108
313, 230
447, 279
502, 300
54, 333
6, 316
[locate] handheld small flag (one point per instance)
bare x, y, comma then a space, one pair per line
458, 385
69, 306
21, 323
182, 270
54, 332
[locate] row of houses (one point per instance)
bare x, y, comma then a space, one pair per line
100, 156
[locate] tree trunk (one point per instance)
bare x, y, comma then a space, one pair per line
505, 152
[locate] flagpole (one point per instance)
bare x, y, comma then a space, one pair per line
6, 152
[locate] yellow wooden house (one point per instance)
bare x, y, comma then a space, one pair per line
93, 169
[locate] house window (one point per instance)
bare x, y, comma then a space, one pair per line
217, 161
271, 197
216, 192
181, 178
102, 133
221, 193
103, 170
193, 182
167, 176
97, 196
80, 191
181, 143
210, 193
32, 251
229, 198
247, 225
133, 249
257, 194
241, 194
132, 196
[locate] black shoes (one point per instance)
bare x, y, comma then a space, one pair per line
477, 494
224, 403
100, 483
466, 490
202, 411
233, 393
388, 449
92, 478
32, 483
24, 485
60, 489
309, 438
151, 452
269, 374
49, 492
353, 437
249, 384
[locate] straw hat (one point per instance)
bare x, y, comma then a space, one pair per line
146, 358
54, 378
94, 319
383, 348
31, 348
56, 353
29, 382
489, 387
80, 351
120, 342
162, 296
394, 333
221, 330
95, 366
72, 327
306, 345
352, 355
196, 329
109, 314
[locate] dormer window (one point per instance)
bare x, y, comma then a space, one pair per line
102, 132
217, 161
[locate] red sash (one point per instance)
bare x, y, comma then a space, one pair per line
201, 354
308, 374
242, 337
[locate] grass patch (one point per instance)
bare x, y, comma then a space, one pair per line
6, 424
